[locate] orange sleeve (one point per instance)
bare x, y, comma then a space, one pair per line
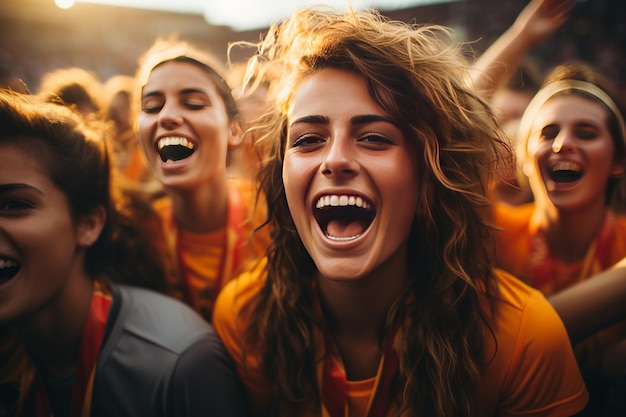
512, 246
537, 371
255, 236
230, 319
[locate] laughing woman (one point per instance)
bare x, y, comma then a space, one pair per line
72, 342
572, 151
187, 122
379, 296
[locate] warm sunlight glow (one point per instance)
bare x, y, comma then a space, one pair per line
253, 14
64, 4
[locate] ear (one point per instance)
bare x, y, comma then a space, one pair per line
236, 133
90, 226
527, 167
617, 170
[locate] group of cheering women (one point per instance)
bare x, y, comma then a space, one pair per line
365, 270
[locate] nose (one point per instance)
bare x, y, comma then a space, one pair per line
340, 160
170, 116
563, 142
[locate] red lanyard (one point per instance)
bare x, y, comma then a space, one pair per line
233, 242
90, 343
334, 384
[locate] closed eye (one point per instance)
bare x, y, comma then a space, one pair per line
586, 132
151, 105
550, 132
195, 106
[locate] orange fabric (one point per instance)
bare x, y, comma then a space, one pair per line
135, 169
533, 372
212, 259
521, 251
518, 254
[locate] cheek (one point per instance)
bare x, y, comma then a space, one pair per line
291, 182
144, 126
297, 175
49, 247
535, 152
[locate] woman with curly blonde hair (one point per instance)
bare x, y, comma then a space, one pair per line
379, 296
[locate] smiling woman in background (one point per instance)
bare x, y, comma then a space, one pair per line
572, 151
187, 122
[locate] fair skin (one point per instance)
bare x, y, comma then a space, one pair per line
45, 293
181, 106
570, 158
350, 152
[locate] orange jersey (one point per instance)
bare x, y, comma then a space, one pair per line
521, 250
207, 261
533, 372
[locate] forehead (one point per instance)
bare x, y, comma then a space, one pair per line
571, 108
177, 74
332, 91
18, 163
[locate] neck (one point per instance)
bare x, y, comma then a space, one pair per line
356, 313
52, 335
569, 233
201, 210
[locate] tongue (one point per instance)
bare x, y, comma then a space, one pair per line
344, 229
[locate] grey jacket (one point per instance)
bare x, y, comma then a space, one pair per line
160, 358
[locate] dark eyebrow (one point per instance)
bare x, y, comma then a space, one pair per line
182, 92
192, 91
356, 120
151, 94
18, 186
370, 118
318, 120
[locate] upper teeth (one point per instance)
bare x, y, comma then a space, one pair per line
341, 200
566, 166
174, 141
7, 263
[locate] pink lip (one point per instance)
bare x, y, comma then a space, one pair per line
170, 166
553, 186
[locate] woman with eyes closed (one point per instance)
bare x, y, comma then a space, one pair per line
186, 123
572, 135
378, 295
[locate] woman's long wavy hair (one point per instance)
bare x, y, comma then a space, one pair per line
418, 75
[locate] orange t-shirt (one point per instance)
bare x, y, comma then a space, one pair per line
207, 261
521, 250
533, 372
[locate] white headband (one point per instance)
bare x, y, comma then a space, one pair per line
554, 88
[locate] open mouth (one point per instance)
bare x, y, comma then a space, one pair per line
8, 269
175, 148
565, 172
343, 217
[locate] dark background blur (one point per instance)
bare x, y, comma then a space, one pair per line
36, 36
